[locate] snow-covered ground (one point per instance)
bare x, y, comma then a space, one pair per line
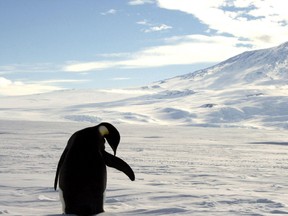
247, 106
179, 170
211, 142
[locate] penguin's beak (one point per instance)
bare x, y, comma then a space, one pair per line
111, 134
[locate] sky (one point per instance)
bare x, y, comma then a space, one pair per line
48, 45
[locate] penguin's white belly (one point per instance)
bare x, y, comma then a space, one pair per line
62, 200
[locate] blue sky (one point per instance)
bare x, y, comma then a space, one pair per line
48, 45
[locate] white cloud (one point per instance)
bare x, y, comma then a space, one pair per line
13, 88
238, 24
144, 22
186, 50
89, 66
253, 23
158, 28
180, 50
140, 2
114, 55
262, 22
121, 78
27, 68
153, 27
4, 82
109, 12
62, 81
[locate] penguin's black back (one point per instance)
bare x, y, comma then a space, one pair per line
82, 176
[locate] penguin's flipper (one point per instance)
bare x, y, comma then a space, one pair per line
59, 167
119, 164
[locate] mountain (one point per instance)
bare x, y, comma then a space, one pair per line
248, 90
260, 67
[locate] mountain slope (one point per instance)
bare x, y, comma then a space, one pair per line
248, 90
260, 67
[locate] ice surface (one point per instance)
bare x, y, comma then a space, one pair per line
179, 170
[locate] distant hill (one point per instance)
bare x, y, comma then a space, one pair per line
247, 90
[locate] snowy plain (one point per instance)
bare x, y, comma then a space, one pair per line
179, 170
212, 142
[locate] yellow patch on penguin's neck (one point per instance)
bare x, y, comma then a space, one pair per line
103, 130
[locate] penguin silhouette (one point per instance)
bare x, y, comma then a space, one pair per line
81, 171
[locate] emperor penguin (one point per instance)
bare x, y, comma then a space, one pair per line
81, 171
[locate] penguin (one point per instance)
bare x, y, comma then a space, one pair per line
81, 171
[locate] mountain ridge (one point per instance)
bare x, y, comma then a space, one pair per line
259, 65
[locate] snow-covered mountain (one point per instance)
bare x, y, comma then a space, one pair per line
260, 67
248, 90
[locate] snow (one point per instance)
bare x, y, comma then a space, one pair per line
179, 170
248, 91
252, 106
211, 142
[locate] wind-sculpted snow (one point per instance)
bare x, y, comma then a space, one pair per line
167, 94
83, 118
179, 170
237, 107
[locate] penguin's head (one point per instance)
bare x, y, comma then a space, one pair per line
111, 134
